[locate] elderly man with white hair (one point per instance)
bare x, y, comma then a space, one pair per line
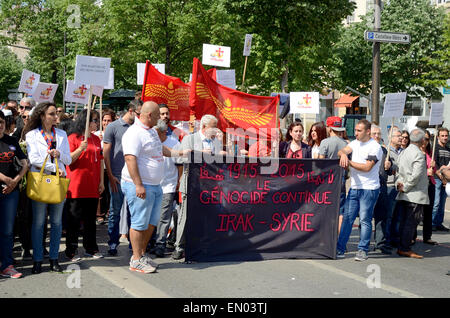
208, 140
412, 185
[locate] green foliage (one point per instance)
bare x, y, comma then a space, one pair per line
10, 72
418, 68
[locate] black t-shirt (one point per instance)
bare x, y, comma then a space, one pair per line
9, 148
441, 155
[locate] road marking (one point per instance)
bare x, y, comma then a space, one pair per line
362, 279
129, 282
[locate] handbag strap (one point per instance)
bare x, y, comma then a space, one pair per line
41, 173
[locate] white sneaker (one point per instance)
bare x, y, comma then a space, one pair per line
141, 266
95, 255
150, 261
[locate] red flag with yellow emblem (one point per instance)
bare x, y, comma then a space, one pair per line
233, 109
169, 90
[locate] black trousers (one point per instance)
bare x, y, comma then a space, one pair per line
81, 211
411, 214
105, 197
428, 215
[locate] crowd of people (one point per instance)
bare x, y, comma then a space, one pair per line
130, 173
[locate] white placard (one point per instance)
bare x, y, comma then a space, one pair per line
76, 93
304, 103
394, 105
111, 80
97, 90
217, 55
91, 70
141, 71
29, 81
247, 44
436, 114
45, 92
226, 78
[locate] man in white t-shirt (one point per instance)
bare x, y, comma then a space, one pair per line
140, 182
364, 188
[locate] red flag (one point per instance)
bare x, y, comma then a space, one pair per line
232, 108
169, 90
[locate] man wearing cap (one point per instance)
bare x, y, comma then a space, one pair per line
329, 148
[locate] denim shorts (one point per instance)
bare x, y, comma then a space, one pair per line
144, 212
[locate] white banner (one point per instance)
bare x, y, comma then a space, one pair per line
91, 70
76, 93
304, 103
217, 55
45, 92
247, 44
29, 81
394, 105
436, 114
141, 71
226, 78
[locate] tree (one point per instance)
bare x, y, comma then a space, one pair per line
415, 68
10, 72
291, 39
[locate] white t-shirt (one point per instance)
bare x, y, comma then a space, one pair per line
143, 143
361, 152
315, 151
170, 179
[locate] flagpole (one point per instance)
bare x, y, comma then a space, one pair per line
101, 120
243, 76
88, 116
434, 142
75, 111
277, 143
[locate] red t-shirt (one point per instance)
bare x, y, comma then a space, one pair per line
84, 173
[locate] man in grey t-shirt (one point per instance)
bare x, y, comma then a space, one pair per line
329, 148
114, 162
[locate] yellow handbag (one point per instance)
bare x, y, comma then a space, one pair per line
47, 188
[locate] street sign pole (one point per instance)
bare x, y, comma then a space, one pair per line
376, 66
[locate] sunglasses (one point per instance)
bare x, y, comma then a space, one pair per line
59, 111
94, 120
25, 117
26, 107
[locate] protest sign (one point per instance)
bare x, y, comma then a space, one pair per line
28, 82
45, 92
141, 71
394, 105
304, 103
91, 70
111, 80
216, 55
436, 114
76, 93
226, 78
97, 90
235, 213
247, 44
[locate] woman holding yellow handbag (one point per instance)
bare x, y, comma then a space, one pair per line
47, 147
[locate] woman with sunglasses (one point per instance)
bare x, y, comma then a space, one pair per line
44, 139
405, 140
86, 184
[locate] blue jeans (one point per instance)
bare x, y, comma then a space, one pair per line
439, 203
114, 216
8, 210
37, 228
358, 202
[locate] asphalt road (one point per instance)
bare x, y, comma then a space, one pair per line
380, 276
